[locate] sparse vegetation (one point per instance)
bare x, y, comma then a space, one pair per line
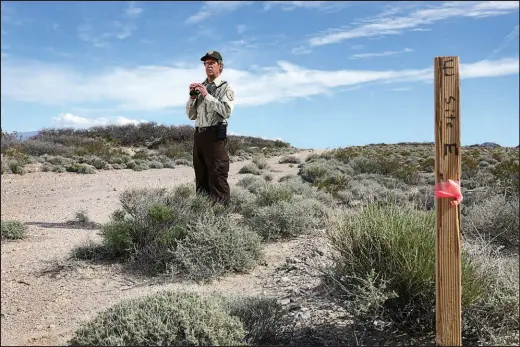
136, 147
13, 230
374, 203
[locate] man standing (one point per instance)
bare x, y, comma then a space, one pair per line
210, 105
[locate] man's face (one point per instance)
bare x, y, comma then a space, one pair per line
212, 67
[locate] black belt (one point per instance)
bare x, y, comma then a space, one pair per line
202, 129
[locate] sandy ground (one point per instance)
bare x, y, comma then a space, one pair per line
46, 310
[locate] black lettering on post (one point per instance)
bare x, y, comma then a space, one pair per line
448, 101
449, 146
444, 67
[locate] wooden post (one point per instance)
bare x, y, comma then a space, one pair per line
447, 166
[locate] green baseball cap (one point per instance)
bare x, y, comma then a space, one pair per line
212, 54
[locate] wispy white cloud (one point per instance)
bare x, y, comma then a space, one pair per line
215, 8
118, 29
10, 16
388, 25
300, 50
153, 88
132, 11
69, 120
326, 6
506, 41
380, 54
401, 89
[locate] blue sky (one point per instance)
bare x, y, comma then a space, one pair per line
315, 74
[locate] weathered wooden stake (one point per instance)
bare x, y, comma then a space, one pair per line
447, 166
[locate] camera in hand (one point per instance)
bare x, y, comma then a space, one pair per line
194, 92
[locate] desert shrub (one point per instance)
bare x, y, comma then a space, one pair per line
422, 197
493, 319
16, 168
13, 230
215, 246
299, 187
252, 183
178, 231
163, 318
469, 166
242, 200
58, 160
327, 175
81, 168
155, 164
97, 162
508, 173
363, 192
184, 162
260, 161
273, 193
282, 220
495, 220
289, 159
397, 246
58, 169
250, 169
38, 148
262, 318
46, 167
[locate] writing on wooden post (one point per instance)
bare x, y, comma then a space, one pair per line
447, 167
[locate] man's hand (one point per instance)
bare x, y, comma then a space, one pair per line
200, 87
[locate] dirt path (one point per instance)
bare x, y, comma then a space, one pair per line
45, 310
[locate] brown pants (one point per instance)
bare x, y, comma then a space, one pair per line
211, 164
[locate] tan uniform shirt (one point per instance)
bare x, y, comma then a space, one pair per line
212, 109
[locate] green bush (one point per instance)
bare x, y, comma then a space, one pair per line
161, 230
13, 230
260, 161
396, 245
289, 159
281, 220
250, 169
163, 319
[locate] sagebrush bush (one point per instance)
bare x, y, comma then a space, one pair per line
162, 230
281, 220
13, 230
250, 169
398, 245
262, 318
215, 246
493, 319
330, 176
260, 161
495, 220
289, 159
163, 319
